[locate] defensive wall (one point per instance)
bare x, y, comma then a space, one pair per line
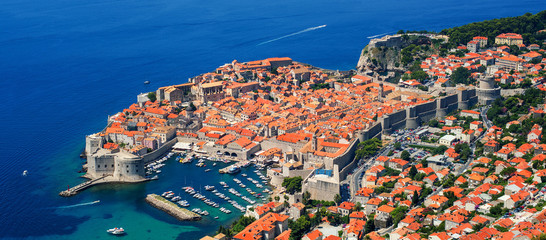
347, 159
160, 151
414, 116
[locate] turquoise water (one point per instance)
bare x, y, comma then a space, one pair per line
66, 65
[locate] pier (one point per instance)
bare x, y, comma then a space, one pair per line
74, 190
238, 164
171, 208
101, 180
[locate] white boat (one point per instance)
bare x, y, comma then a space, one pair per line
116, 231
25, 173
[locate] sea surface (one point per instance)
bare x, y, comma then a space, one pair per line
65, 65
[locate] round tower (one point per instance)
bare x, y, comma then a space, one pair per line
487, 91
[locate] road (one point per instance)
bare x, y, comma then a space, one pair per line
354, 179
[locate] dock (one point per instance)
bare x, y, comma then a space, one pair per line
80, 187
87, 184
238, 164
171, 208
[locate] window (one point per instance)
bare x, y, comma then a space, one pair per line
98, 166
112, 165
105, 165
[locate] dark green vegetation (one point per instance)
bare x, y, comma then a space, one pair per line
368, 148
527, 25
292, 185
151, 96
236, 226
462, 75
503, 111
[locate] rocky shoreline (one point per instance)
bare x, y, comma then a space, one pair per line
172, 209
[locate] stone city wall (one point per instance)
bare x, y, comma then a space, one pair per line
160, 151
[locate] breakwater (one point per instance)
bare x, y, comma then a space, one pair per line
172, 209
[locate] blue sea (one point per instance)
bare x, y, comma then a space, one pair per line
66, 65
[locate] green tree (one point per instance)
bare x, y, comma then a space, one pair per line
419, 75
299, 227
337, 199
370, 226
368, 148
305, 198
152, 97
496, 211
415, 198
508, 171
412, 171
433, 123
461, 75
405, 155
292, 185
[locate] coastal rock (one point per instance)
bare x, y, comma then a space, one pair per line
384, 54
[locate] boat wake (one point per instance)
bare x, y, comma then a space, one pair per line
378, 35
293, 34
78, 205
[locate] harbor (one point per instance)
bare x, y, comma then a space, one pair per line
200, 189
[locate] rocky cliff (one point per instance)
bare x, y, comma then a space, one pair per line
384, 54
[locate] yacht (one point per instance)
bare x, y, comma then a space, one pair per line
116, 231
176, 199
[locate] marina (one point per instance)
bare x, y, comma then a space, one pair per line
214, 200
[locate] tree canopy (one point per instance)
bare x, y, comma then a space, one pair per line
292, 185
368, 148
461, 75
527, 25
152, 97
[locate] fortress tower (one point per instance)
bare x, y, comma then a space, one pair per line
487, 91
380, 92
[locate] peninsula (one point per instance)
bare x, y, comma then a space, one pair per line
434, 136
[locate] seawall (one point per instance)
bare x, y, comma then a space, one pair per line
171, 208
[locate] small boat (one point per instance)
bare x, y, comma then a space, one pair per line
207, 170
116, 231
25, 173
234, 170
146, 82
